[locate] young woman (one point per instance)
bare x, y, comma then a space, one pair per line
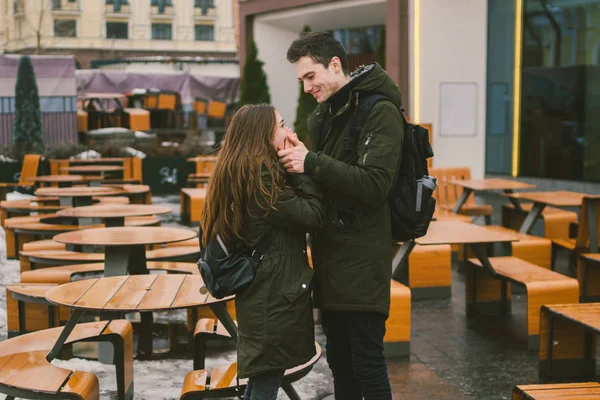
250, 196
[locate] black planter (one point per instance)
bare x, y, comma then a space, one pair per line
10, 171
166, 174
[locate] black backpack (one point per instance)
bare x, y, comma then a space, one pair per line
411, 198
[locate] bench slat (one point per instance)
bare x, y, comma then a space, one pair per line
31, 371
520, 270
83, 384
223, 377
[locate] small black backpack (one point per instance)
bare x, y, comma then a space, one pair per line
411, 199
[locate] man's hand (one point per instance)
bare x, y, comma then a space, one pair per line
292, 158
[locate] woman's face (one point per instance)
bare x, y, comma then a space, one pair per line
281, 131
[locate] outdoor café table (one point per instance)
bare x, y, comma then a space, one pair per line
112, 214
542, 199
452, 232
135, 293
78, 196
480, 185
85, 169
67, 180
124, 247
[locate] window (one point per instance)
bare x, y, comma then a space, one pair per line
560, 92
56, 5
204, 5
161, 32
205, 32
117, 30
65, 28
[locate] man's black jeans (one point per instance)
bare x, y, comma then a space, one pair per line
355, 354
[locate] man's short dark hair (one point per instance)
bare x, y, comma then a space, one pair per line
321, 46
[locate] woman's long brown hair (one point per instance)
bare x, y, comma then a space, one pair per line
236, 182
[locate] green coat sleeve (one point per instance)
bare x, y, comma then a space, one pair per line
379, 150
299, 208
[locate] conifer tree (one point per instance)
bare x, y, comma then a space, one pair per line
306, 105
253, 87
28, 136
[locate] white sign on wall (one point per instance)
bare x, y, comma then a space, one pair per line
458, 108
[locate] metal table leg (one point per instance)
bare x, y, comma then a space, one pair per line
592, 224
400, 260
73, 320
532, 217
482, 256
513, 201
114, 222
462, 200
220, 310
82, 201
119, 260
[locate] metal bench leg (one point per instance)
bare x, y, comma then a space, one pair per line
290, 391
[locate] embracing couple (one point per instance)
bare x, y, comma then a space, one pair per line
266, 182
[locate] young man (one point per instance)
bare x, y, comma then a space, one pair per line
352, 253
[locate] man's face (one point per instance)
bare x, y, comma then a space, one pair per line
319, 81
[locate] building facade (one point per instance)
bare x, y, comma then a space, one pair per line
100, 29
511, 87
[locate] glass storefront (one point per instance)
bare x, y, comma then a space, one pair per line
560, 88
560, 95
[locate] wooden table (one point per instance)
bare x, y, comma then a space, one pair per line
542, 199
78, 196
67, 180
101, 169
452, 232
192, 204
125, 247
135, 293
112, 214
482, 185
568, 341
96, 160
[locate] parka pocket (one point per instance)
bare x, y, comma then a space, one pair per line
300, 286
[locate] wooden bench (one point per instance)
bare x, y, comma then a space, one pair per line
556, 221
568, 337
29, 169
396, 342
26, 371
21, 230
447, 195
13, 208
33, 259
487, 293
428, 273
588, 276
223, 382
560, 391
192, 205
28, 310
533, 249
585, 235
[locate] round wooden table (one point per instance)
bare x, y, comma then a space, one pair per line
78, 196
113, 214
66, 180
125, 247
101, 169
141, 293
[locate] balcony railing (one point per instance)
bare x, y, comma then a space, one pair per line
117, 6
204, 7
66, 6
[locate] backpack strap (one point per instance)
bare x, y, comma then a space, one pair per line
362, 108
263, 245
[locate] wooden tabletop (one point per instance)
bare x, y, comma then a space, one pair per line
64, 178
95, 160
133, 293
557, 198
125, 236
202, 158
86, 96
587, 314
492, 184
114, 211
79, 191
459, 232
92, 168
193, 192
